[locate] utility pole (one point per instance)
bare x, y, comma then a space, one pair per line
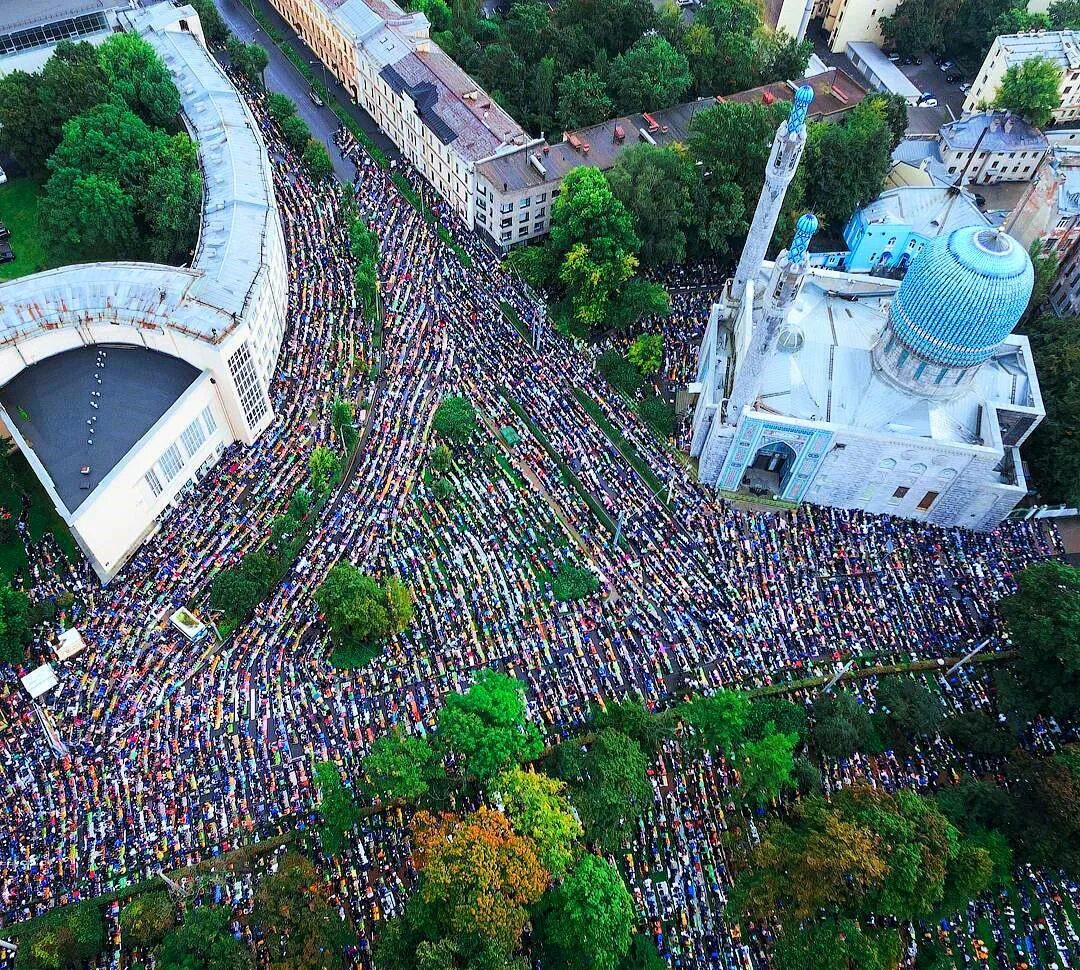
840, 673
967, 656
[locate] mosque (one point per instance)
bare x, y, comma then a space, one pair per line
910, 398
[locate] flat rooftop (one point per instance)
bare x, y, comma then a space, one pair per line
20, 14
50, 403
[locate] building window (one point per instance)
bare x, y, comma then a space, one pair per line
542, 197
526, 201
898, 495
523, 230
154, 482
192, 437
538, 227
250, 391
208, 420
505, 237
927, 500
170, 462
507, 207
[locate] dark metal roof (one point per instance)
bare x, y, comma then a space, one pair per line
50, 404
425, 96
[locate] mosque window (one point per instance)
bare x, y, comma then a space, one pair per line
900, 492
248, 388
170, 462
927, 500
193, 436
918, 468
941, 375
154, 482
887, 463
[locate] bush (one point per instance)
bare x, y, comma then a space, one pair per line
574, 583
658, 415
64, 940
146, 919
621, 374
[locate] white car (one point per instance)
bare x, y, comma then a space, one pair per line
3, 175
926, 101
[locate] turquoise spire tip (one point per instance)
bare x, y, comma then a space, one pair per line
804, 232
804, 96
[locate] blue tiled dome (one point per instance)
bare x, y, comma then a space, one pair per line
962, 296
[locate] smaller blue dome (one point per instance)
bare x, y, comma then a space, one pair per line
962, 296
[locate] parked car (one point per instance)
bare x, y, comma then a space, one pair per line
945, 66
966, 86
6, 252
5, 233
927, 100
894, 57
315, 99
954, 77
3, 176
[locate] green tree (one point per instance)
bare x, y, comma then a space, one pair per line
233, 593
342, 416
1032, 90
979, 733
841, 725
203, 941
587, 920
486, 726
336, 806
323, 465
455, 419
1065, 14
440, 459
768, 714
918, 25
399, 766
175, 182
651, 75
146, 919
299, 926
642, 954
539, 810
836, 944
908, 707
631, 717
856, 157
280, 106
1045, 262
619, 371
1047, 826
974, 804
213, 26
593, 240
574, 583
582, 100
1052, 450
140, 78
249, 59
14, 624
732, 141
317, 160
361, 612
35, 107
296, 132
609, 787
647, 352
766, 766
64, 938
718, 721
86, 218
645, 173
1043, 619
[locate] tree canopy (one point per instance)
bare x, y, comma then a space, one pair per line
1043, 619
399, 766
539, 810
455, 419
361, 611
203, 941
14, 624
1031, 89
486, 727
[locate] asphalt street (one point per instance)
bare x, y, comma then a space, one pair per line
282, 75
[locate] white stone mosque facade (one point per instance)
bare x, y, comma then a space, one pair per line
910, 398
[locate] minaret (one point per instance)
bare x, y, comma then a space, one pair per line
787, 149
783, 289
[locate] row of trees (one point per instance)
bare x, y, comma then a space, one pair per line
297, 134
964, 30
605, 227
580, 62
102, 124
237, 590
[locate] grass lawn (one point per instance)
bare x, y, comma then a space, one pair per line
42, 518
18, 211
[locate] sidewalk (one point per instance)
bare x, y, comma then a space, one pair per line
282, 75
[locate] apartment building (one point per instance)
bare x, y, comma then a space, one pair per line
1060, 46
515, 189
437, 115
991, 146
845, 21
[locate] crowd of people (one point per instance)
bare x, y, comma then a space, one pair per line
179, 751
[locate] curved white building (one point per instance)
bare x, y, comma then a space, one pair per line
123, 382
